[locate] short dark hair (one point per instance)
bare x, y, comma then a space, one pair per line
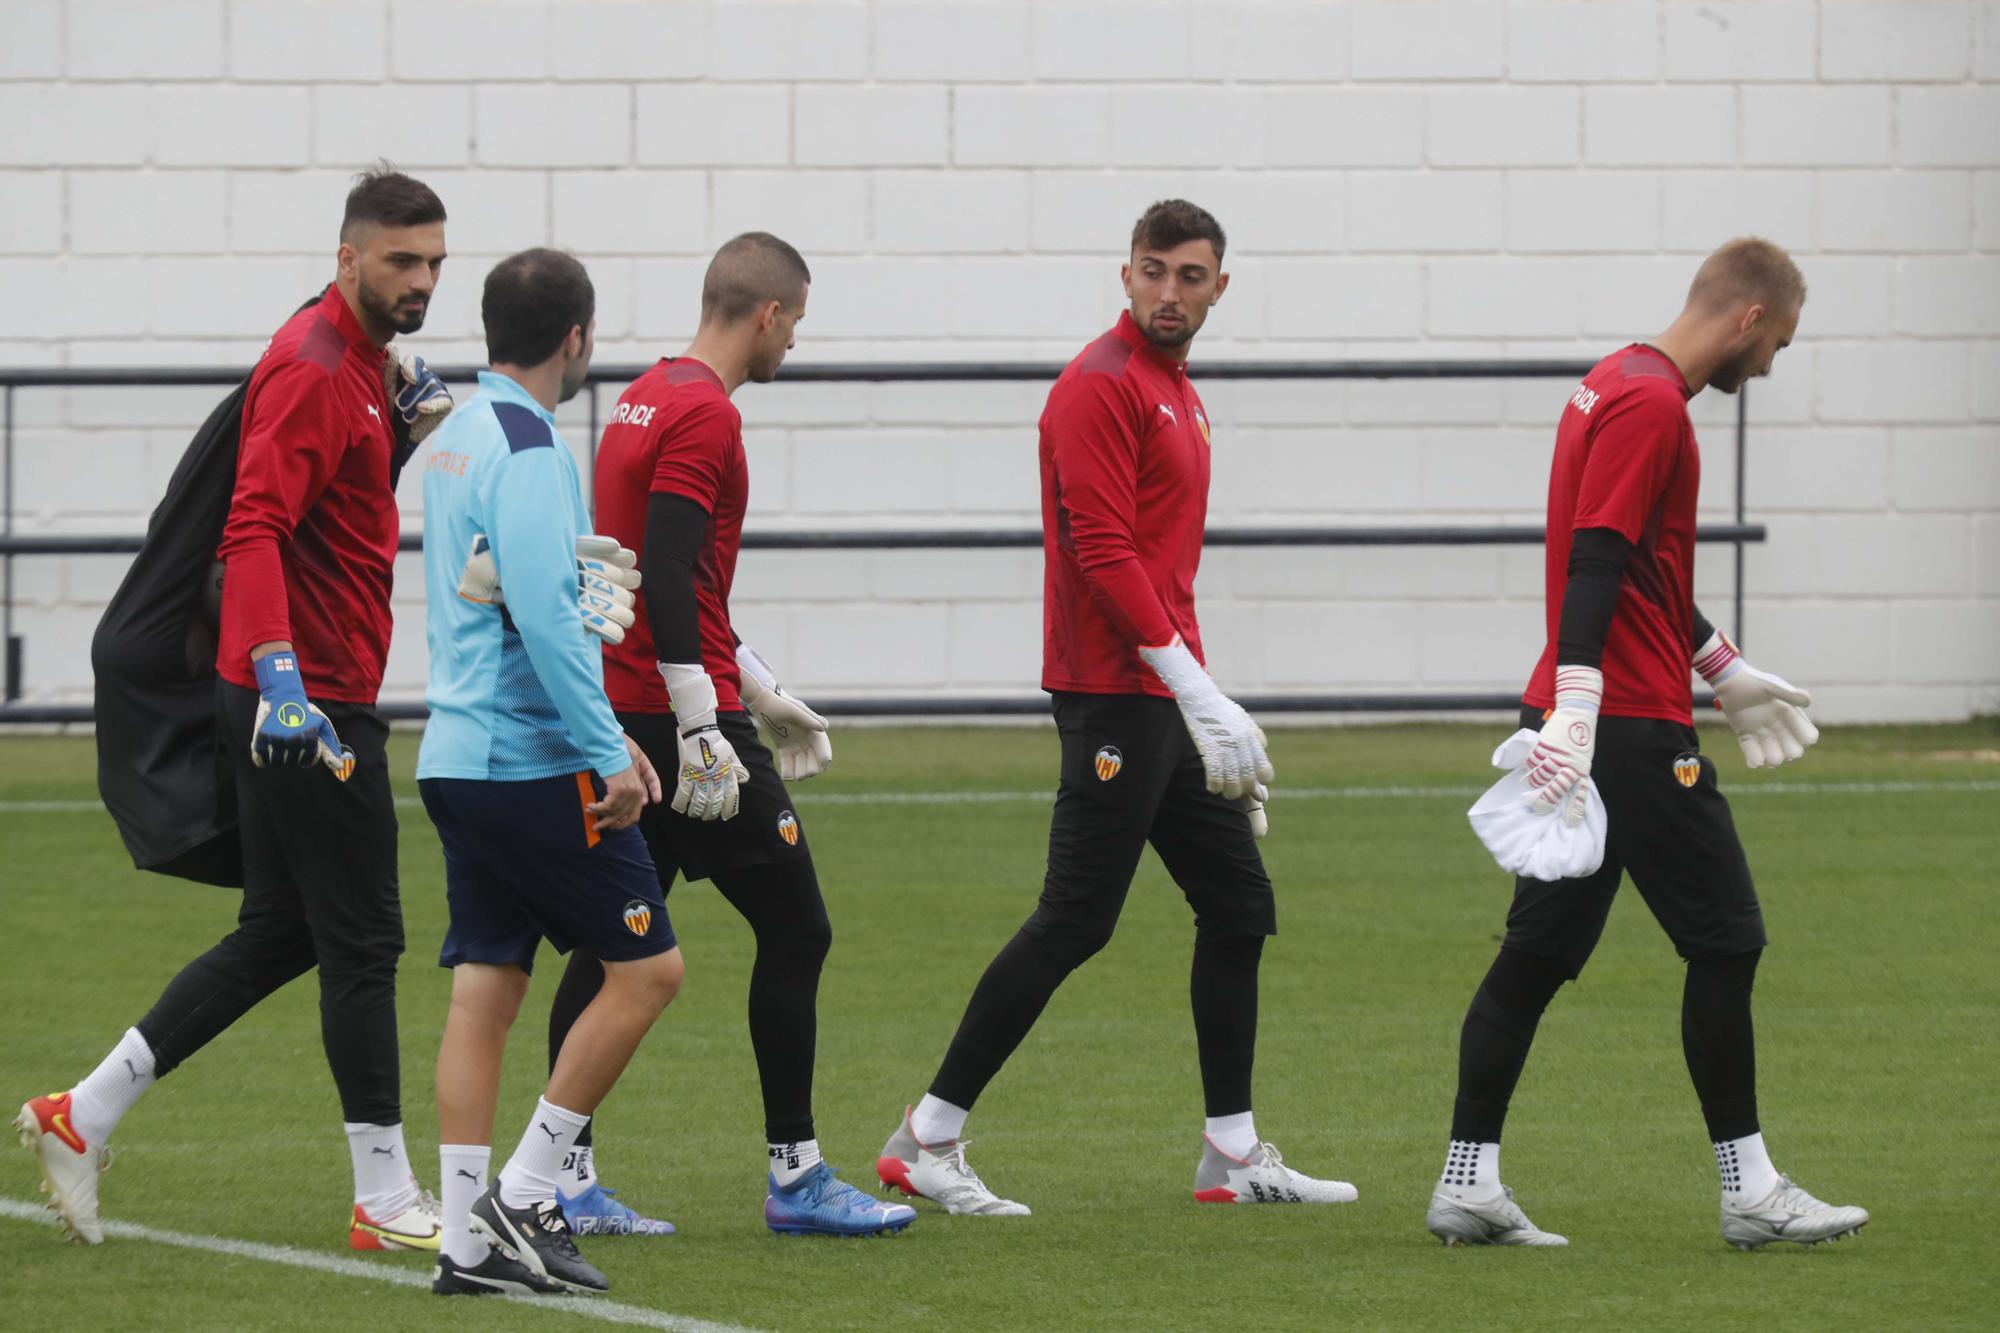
386, 197
1172, 222
749, 271
531, 302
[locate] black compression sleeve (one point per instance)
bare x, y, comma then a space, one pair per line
675, 529
1703, 631
1596, 567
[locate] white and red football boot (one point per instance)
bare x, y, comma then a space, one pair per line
417, 1227
939, 1172
70, 1166
1262, 1177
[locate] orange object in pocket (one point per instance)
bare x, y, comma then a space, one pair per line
587, 796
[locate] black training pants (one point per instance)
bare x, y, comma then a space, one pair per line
1130, 777
320, 890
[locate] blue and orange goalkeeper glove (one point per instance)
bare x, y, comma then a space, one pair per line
289, 730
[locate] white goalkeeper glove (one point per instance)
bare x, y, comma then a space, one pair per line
1561, 758
420, 396
1253, 806
708, 780
798, 734
1232, 747
606, 577
1763, 710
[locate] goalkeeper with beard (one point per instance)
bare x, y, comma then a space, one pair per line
1612, 699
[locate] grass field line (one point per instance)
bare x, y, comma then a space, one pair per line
581, 1307
1753, 788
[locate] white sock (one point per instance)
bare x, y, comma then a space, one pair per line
531, 1173
383, 1185
101, 1100
1472, 1169
1234, 1134
789, 1161
579, 1171
1747, 1173
462, 1177
937, 1121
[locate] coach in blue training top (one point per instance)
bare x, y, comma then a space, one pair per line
532, 786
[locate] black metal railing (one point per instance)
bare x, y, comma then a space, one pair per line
1738, 533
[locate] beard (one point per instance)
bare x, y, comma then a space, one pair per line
401, 318
764, 369
1729, 376
572, 381
1172, 338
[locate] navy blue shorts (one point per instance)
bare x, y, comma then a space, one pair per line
524, 862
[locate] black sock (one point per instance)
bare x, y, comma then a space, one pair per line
1493, 1044
783, 905
1719, 1041
1222, 985
1004, 1005
581, 981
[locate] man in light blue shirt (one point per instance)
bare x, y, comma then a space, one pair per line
533, 788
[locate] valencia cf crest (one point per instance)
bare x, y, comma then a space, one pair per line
638, 918
1109, 761
788, 828
1202, 421
1687, 768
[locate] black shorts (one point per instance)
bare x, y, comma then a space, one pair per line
1669, 827
764, 830
1131, 776
524, 862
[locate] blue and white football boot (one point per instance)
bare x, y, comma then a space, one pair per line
595, 1211
820, 1203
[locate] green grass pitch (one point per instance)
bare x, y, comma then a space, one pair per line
1876, 1004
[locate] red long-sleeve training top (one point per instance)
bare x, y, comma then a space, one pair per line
310, 543
1124, 499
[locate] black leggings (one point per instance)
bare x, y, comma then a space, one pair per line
782, 903
1717, 1039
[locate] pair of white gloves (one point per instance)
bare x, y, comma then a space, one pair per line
1765, 712
1513, 819
607, 579
1232, 747
708, 783
709, 775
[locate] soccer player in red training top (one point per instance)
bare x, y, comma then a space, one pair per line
672, 483
309, 548
1613, 701
1152, 751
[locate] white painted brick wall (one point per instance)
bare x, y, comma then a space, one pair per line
1428, 178
166, 39
1587, 41
318, 41
1659, 127
956, 43
1895, 41
33, 49
1745, 41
